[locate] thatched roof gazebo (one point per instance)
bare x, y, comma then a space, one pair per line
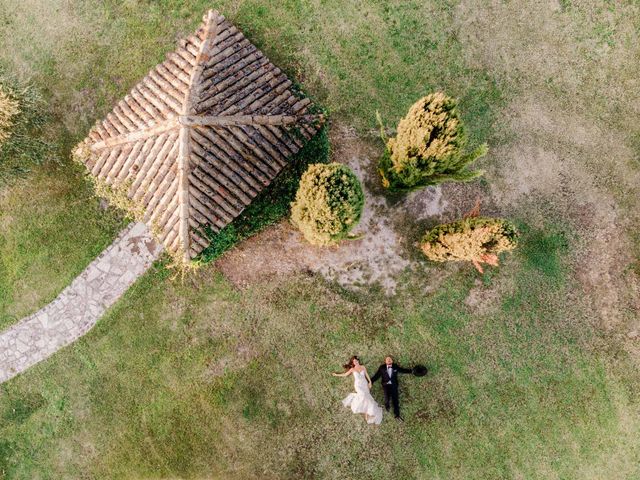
200, 136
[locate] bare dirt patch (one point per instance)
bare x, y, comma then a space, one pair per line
483, 299
378, 256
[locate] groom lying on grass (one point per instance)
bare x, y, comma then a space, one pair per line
388, 372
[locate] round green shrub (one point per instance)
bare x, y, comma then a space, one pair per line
328, 203
478, 240
429, 148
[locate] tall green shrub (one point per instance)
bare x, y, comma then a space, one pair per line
328, 203
478, 240
430, 147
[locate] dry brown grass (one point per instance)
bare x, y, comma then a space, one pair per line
568, 128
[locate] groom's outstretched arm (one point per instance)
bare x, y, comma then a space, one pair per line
376, 376
404, 370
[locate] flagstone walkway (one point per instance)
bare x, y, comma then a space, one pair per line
77, 309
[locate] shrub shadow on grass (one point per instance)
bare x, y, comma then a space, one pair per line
20, 408
414, 232
542, 250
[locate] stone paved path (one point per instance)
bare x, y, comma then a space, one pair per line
80, 305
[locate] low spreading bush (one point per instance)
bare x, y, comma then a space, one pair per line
328, 203
430, 147
477, 239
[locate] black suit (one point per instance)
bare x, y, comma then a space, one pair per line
390, 385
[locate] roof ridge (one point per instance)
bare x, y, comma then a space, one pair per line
204, 120
137, 135
245, 119
184, 152
210, 32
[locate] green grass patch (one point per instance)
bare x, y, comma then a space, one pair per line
51, 227
21, 408
191, 380
543, 250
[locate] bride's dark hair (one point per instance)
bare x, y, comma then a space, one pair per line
349, 365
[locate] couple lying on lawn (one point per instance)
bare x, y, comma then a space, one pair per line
361, 401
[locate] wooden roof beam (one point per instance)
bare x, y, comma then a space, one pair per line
157, 129
213, 120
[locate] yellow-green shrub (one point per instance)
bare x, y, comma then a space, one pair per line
116, 196
9, 108
23, 116
429, 148
478, 240
328, 203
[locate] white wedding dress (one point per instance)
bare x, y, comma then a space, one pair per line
361, 401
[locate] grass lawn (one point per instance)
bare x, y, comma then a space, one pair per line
51, 227
204, 381
533, 368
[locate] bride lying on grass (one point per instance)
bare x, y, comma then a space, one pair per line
361, 401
